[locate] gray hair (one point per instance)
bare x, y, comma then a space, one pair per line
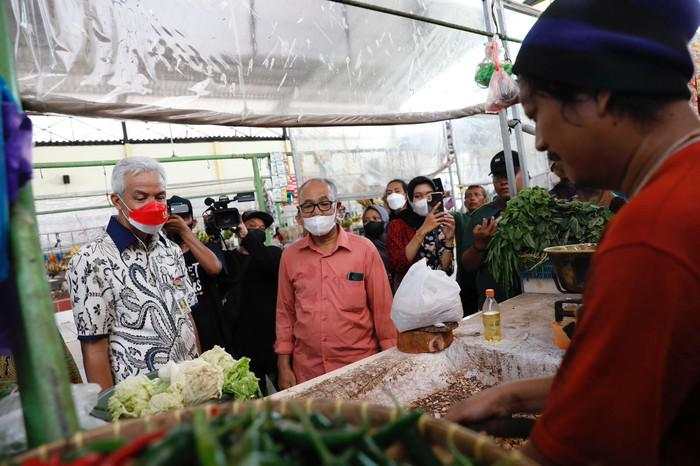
331, 186
134, 166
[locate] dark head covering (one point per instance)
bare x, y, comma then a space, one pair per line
629, 46
498, 163
264, 216
383, 213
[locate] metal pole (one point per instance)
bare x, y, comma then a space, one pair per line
42, 374
502, 117
171, 159
423, 19
515, 109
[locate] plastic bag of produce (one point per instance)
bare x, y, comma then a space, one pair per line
503, 92
425, 297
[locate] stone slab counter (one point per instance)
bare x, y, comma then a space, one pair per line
527, 350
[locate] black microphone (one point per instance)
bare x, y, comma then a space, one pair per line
209, 201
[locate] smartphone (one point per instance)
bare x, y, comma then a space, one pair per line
435, 199
438, 185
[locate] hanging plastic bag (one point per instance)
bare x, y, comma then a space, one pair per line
503, 92
425, 297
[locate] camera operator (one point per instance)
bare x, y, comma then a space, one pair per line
204, 265
257, 267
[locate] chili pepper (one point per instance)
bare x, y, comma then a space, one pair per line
319, 447
102, 446
175, 449
209, 449
297, 436
130, 450
91, 459
34, 462
320, 421
371, 449
418, 450
389, 433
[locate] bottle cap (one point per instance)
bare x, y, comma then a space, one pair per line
490, 293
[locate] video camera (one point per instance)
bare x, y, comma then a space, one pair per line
219, 216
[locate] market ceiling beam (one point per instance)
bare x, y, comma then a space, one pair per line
421, 18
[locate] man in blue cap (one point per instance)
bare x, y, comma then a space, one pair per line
606, 82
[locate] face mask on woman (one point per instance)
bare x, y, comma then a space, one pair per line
396, 201
421, 207
374, 229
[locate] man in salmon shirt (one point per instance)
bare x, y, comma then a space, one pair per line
333, 299
606, 82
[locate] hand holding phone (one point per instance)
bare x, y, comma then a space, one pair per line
435, 199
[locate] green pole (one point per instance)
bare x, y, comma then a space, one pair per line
259, 187
42, 374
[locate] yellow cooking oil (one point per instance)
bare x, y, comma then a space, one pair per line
491, 317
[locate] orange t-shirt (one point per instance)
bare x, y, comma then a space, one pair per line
628, 390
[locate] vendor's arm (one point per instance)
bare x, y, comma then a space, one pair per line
379, 298
284, 323
633, 363
519, 396
94, 313
96, 362
205, 256
473, 257
431, 222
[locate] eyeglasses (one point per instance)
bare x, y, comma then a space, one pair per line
323, 206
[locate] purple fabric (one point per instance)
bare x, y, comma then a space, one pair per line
17, 130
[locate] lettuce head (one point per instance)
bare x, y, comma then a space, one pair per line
240, 382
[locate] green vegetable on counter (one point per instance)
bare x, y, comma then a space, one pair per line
533, 221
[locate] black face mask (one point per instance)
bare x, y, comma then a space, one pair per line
374, 229
257, 236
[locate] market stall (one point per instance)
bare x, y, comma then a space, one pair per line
330, 68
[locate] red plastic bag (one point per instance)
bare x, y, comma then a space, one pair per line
503, 92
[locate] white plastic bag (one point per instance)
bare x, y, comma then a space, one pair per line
425, 297
503, 92
13, 438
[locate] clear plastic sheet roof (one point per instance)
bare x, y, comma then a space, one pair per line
248, 62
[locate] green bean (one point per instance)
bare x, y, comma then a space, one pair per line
458, 459
319, 447
389, 433
371, 449
208, 447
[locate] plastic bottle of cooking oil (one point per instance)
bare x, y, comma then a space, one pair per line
491, 316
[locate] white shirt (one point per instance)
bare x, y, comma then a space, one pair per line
138, 299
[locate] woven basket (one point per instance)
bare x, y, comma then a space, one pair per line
437, 432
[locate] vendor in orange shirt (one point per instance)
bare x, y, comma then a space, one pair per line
334, 299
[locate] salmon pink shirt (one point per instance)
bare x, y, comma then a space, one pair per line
332, 308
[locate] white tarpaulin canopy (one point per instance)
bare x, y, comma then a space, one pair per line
250, 62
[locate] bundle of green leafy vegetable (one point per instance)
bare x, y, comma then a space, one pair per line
533, 221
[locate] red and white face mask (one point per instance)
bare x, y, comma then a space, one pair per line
149, 218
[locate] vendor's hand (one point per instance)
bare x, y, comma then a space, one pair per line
286, 378
432, 220
489, 403
242, 230
484, 232
447, 222
176, 224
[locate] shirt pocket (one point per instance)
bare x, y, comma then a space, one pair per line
352, 295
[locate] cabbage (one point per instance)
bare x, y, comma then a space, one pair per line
240, 382
197, 381
131, 397
218, 357
165, 401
